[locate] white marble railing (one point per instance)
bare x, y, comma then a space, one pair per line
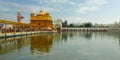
22, 33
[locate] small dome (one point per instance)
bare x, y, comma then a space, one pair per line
41, 12
47, 13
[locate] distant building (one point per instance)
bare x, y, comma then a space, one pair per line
41, 20
115, 25
101, 25
57, 23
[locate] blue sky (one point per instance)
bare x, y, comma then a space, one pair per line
74, 11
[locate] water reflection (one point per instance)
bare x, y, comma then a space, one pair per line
86, 35
41, 44
62, 46
65, 36
89, 35
8, 45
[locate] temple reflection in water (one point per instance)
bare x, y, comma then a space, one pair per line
41, 43
59, 46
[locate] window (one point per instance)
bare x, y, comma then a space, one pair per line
46, 24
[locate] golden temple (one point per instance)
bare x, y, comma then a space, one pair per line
41, 20
39, 23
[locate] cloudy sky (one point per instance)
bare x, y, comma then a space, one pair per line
74, 11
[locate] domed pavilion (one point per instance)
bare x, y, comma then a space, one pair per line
41, 20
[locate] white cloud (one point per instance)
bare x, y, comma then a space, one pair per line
8, 16
83, 19
57, 3
4, 9
96, 2
36, 8
72, 3
52, 1
10, 7
91, 5
76, 4
77, 19
53, 5
29, 7
86, 9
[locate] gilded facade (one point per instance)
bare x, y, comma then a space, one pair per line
41, 20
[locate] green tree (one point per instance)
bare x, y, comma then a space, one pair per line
88, 24
71, 25
65, 23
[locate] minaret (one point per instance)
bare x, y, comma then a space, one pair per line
19, 17
32, 14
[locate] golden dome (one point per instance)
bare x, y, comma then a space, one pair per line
41, 12
47, 13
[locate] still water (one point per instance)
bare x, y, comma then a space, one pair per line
62, 46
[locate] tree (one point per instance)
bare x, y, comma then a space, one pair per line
65, 24
88, 24
71, 25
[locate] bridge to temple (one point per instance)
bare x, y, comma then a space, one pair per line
90, 29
